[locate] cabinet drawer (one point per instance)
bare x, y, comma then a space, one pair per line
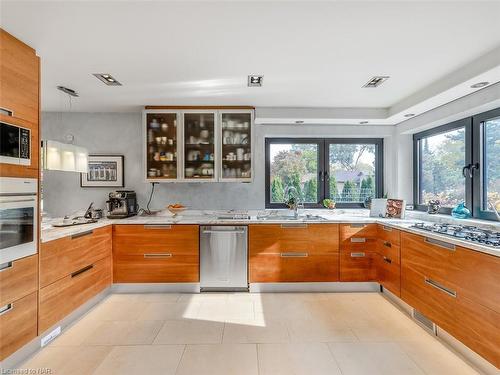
358, 265
426, 296
18, 324
293, 267
389, 274
293, 237
150, 239
156, 268
19, 78
18, 279
386, 233
61, 257
390, 251
63, 296
357, 230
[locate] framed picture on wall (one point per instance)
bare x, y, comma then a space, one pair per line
104, 171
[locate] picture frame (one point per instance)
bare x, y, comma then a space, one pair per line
104, 171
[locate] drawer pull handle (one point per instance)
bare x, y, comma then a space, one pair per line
223, 231
5, 309
440, 287
6, 112
357, 255
157, 226
83, 234
439, 243
387, 260
357, 225
387, 244
294, 255
84, 269
358, 240
294, 225
386, 228
6, 266
157, 255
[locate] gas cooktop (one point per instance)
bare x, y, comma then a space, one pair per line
463, 232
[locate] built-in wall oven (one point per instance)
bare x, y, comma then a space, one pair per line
18, 218
15, 144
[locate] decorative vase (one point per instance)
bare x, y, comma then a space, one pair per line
461, 212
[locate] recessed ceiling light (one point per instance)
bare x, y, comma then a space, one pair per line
68, 91
363, 122
375, 81
255, 80
107, 79
479, 85
299, 122
409, 115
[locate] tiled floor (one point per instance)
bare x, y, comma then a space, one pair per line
293, 333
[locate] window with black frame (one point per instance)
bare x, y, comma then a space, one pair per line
347, 171
460, 162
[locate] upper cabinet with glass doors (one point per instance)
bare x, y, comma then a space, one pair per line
198, 145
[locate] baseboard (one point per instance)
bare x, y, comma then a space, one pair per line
468, 355
345, 287
34, 345
156, 288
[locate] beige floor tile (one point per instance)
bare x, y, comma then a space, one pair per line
222, 311
190, 332
307, 330
169, 311
116, 310
124, 333
67, 360
221, 359
158, 297
133, 360
203, 297
256, 331
373, 358
297, 359
77, 333
122, 297
435, 358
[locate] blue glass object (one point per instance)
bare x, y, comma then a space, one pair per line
461, 212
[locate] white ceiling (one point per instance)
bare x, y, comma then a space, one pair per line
312, 54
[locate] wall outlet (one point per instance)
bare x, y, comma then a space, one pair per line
51, 336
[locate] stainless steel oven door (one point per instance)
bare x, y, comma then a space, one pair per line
18, 227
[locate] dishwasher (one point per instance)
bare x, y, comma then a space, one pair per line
223, 258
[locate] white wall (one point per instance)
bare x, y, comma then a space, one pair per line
120, 133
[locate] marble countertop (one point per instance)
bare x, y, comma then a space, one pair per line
50, 233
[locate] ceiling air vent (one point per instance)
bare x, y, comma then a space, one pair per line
68, 91
376, 81
107, 79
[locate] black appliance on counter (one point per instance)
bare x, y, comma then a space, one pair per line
122, 204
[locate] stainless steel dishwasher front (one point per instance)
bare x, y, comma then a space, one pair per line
223, 258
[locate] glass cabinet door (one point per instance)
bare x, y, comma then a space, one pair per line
236, 148
161, 140
199, 146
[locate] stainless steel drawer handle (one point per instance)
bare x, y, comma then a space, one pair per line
224, 231
157, 255
357, 255
386, 228
157, 226
387, 260
439, 243
387, 244
80, 271
6, 266
5, 309
83, 234
357, 225
294, 225
6, 112
294, 255
440, 287
358, 240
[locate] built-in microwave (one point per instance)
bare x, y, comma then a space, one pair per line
18, 219
15, 144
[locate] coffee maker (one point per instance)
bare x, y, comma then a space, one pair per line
122, 204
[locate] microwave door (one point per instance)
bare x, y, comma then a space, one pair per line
18, 228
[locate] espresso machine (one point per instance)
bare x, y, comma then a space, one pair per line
122, 204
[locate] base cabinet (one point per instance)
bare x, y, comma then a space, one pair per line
358, 252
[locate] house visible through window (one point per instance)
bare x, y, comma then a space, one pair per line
348, 171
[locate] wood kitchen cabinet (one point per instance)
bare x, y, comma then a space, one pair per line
388, 264
293, 253
358, 252
155, 253
456, 288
